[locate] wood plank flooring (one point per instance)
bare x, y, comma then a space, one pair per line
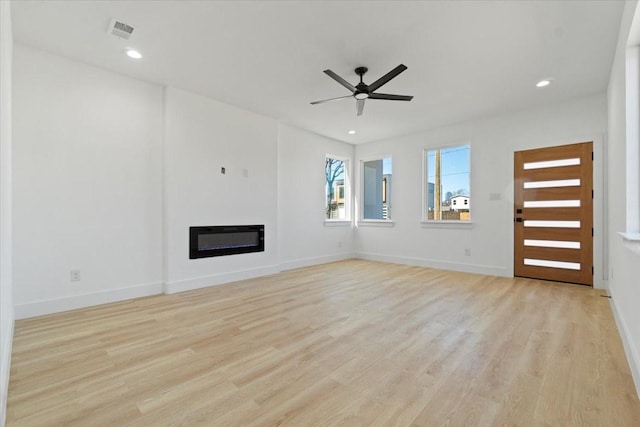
352, 343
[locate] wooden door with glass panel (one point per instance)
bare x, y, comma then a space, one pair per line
553, 213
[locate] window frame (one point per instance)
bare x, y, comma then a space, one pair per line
632, 142
445, 223
347, 192
631, 233
389, 222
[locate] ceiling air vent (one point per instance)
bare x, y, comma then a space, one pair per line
120, 29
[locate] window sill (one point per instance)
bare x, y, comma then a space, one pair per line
446, 224
630, 237
337, 223
631, 241
376, 223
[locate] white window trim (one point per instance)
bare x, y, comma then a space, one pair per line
632, 146
631, 241
376, 223
436, 223
631, 235
348, 221
338, 223
430, 223
369, 221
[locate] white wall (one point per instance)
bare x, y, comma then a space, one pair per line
624, 281
493, 142
201, 136
87, 184
110, 173
304, 236
6, 281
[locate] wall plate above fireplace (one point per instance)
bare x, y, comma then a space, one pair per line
222, 240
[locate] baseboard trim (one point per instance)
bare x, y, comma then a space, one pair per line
307, 262
5, 369
629, 348
218, 279
429, 263
40, 308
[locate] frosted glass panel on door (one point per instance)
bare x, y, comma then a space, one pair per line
552, 163
554, 183
552, 203
552, 264
552, 224
552, 244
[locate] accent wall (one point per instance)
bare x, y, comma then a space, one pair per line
202, 136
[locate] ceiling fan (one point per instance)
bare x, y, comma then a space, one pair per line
361, 92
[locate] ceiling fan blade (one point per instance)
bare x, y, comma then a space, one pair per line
340, 80
385, 79
390, 97
331, 99
360, 106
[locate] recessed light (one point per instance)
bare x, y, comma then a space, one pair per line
131, 53
543, 83
351, 132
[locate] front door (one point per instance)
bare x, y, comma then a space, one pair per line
553, 213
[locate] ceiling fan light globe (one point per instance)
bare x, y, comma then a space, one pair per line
360, 95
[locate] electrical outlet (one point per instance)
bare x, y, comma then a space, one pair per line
467, 252
75, 275
340, 244
245, 173
223, 170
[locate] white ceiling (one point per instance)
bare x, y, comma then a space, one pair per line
465, 59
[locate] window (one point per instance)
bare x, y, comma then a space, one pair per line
447, 192
336, 196
376, 189
632, 140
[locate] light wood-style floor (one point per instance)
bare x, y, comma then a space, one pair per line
352, 343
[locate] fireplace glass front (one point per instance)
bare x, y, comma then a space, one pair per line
225, 240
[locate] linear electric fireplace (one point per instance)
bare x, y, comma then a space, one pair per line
225, 240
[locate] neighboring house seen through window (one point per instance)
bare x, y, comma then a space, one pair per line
376, 187
336, 197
